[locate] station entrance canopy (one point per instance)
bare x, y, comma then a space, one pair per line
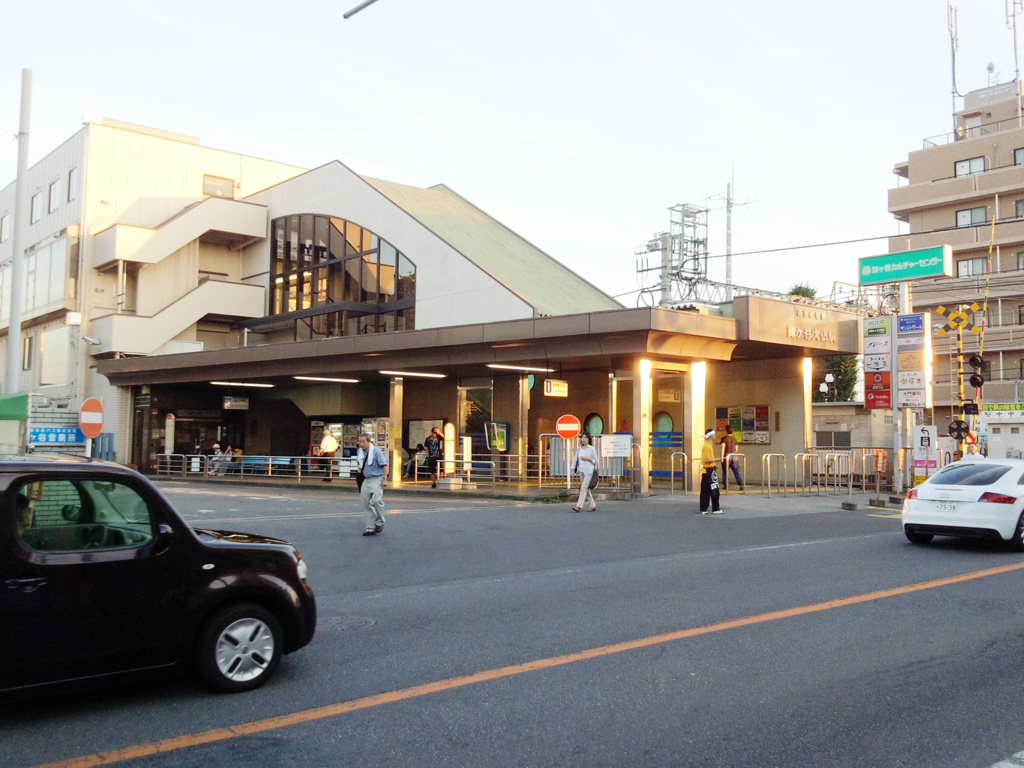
761, 328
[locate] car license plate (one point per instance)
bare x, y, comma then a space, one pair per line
945, 506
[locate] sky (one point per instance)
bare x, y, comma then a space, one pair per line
576, 123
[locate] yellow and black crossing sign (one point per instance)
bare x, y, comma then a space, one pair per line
961, 316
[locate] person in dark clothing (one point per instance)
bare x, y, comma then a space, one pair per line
435, 453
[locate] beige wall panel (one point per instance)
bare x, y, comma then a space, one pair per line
776, 383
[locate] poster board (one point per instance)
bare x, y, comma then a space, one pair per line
419, 431
751, 424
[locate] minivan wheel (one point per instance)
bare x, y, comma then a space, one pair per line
239, 647
917, 538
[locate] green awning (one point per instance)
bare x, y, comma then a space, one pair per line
14, 407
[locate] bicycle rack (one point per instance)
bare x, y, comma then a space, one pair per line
766, 471
841, 463
672, 471
806, 468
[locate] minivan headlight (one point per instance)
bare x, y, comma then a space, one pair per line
302, 569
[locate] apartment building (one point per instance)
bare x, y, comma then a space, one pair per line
955, 186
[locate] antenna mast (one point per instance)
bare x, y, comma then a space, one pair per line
954, 45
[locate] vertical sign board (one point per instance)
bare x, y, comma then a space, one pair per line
878, 362
926, 452
913, 360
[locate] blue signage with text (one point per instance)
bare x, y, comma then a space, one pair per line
911, 323
56, 436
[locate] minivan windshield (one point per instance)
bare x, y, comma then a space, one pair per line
973, 473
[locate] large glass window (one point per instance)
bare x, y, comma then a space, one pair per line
338, 278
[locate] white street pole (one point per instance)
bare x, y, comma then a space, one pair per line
19, 223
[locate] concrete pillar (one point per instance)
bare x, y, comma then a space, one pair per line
808, 399
698, 421
642, 421
521, 432
394, 447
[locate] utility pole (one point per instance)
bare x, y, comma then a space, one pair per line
728, 241
19, 224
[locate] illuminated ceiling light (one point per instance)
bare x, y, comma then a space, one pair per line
324, 378
242, 384
520, 368
412, 373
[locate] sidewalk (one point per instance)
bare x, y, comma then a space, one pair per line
752, 503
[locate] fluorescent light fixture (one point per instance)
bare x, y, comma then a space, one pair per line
242, 384
520, 368
324, 378
413, 373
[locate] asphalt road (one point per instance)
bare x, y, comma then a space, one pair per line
482, 633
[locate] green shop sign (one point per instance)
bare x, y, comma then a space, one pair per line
894, 267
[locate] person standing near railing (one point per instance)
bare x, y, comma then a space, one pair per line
585, 465
435, 453
709, 477
729, 461
328, 446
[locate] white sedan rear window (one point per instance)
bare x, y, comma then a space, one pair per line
973, 473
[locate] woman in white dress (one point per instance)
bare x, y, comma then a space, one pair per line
585, 464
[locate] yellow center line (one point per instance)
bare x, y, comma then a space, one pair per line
332, 710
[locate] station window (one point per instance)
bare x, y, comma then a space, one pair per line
661, 422
36, 209
215, 186
337, 278
53, 197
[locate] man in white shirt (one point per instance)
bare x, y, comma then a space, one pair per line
374, 466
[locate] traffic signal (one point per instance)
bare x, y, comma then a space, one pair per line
978, 364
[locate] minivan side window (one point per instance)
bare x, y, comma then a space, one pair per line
77, 515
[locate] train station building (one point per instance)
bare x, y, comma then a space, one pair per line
208, 297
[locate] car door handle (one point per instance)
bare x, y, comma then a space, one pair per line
25, 585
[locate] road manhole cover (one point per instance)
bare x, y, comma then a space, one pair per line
328, 623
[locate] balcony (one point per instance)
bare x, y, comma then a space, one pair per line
221, 220
136, 335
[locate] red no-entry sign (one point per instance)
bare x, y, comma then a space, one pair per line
568, 426
90, 418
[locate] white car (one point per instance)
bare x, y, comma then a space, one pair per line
975, 498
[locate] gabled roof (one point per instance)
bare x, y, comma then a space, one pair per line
538, 279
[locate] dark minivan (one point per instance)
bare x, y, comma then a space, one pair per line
101, 580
